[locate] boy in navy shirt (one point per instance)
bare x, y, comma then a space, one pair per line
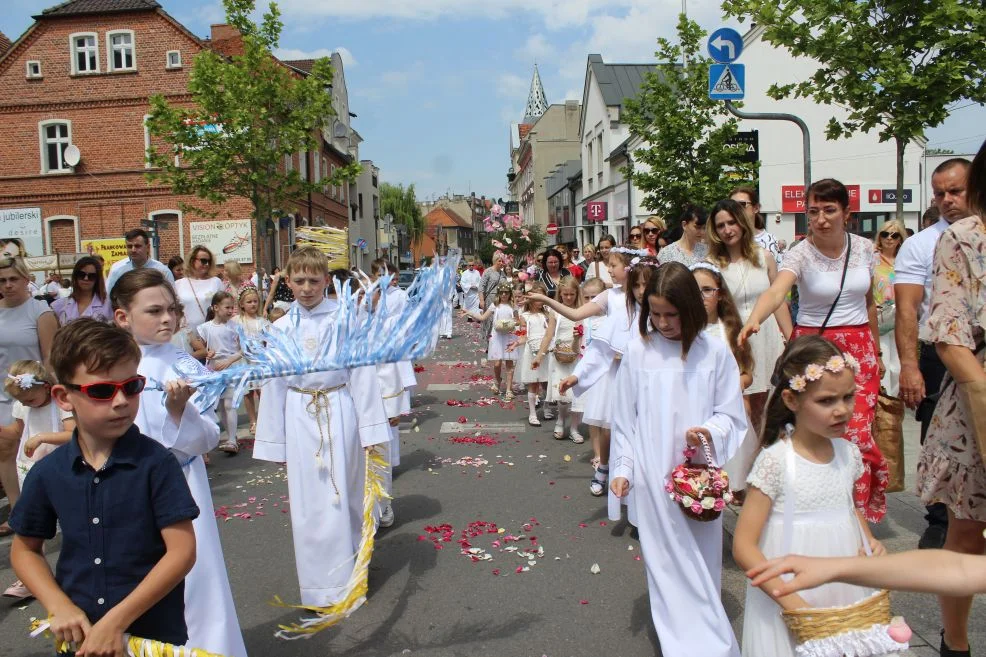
121, 499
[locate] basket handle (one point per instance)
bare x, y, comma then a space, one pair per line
706, 449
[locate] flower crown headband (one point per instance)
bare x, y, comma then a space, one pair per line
26, 381
814, 371
642, 260
628, 251
706, 265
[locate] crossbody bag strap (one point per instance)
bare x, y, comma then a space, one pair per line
842, 284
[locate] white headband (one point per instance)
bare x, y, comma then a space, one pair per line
25, 381
706, 265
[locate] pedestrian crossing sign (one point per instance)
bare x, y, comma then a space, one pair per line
727, 81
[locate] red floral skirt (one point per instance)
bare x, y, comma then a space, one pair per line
871, 488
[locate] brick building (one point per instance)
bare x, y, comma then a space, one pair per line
444, 228
81, 75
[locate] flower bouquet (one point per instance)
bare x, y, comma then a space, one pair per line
702, 489
504, 325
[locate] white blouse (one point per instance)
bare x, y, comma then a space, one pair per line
818, 282
195, 297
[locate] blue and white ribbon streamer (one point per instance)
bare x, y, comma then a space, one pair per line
359, 336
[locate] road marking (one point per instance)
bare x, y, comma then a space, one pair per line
491, 427
447, 387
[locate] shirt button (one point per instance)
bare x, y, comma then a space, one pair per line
95, 521
100, 601
97, 561
95, 480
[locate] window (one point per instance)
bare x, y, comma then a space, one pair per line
55, 137
85, 53
174, 59
147, 143
289, 162
599, 155
361, 206
120, 47
34, 69
317, 163
303, 165
325, 168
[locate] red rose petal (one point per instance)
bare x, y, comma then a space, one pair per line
583, 602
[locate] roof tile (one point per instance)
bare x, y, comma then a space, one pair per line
4, 43
80, 7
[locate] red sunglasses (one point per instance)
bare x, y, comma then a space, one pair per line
106, 390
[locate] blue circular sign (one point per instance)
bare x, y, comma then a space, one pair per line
725, 45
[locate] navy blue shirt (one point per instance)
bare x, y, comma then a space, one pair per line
111, 522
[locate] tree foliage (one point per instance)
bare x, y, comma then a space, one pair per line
401, 203
247, 113
895, 65
686, 155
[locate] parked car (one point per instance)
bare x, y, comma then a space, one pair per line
405, 278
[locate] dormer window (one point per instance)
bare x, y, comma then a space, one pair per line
85, 53
120, 51
33, 69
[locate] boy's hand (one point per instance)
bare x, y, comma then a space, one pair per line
104, 639
567, 383
177, 393
394, 421
692, 436
620, 486
69, 624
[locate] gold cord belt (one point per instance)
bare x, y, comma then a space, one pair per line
320, 402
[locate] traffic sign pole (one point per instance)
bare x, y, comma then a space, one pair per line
776, 116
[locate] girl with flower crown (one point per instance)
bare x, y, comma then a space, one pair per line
675, 388
800, 496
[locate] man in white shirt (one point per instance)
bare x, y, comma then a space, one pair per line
921, 371
139, 252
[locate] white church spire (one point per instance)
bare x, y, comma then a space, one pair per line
536, 103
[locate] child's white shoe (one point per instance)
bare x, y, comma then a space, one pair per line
576, 437
533, 420
387, 517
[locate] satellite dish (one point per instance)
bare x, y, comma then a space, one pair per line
72, 155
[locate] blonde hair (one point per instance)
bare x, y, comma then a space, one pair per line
232, 268
307, 258
538, 288
657, 221
896, 225
247, 290
592, 287
17, 264
718, 252
570, 282
42, 376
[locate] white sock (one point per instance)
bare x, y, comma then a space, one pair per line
576, 420
232, 419
532, 403
562, 414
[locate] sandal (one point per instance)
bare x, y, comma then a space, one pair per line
576, 437
253, 428
5, 530
533, 420
597, 486
231, 447
509, 396
559, 433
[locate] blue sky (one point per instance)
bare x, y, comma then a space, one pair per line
436, 83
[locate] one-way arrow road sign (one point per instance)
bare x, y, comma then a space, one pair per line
727, 81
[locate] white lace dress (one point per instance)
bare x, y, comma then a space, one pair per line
498, 341
537, 324
746, 283
564, 335
824, 525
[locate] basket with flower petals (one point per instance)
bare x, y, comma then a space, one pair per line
702, 489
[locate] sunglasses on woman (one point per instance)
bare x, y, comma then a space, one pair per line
651, 231
87, 275
887, 235
204, 261
635, 236
106, 390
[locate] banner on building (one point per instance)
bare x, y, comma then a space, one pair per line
20, 232
112, 250
229, 239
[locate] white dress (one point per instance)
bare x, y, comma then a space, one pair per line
537, 325
564, 335
746, 283
209, 610
824, 525
326, 499
597, 368
196, 298
470, 290
45, 419
498, 341
657, 397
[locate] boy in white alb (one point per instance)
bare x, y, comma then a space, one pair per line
320, 424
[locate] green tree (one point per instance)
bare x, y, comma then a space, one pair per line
247, 113
401, 203
895, 65
686, 156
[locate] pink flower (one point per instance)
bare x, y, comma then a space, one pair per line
719, 505
696, 508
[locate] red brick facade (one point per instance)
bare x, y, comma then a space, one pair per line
107, 193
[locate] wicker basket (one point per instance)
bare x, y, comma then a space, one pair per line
504, 325
565, 353
689, 484
812, 624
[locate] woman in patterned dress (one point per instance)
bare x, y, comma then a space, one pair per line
951, 469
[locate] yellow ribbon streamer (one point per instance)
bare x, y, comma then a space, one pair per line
136, 646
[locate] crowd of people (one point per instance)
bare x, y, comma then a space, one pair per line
683, 345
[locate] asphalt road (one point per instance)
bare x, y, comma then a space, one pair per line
441, 603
